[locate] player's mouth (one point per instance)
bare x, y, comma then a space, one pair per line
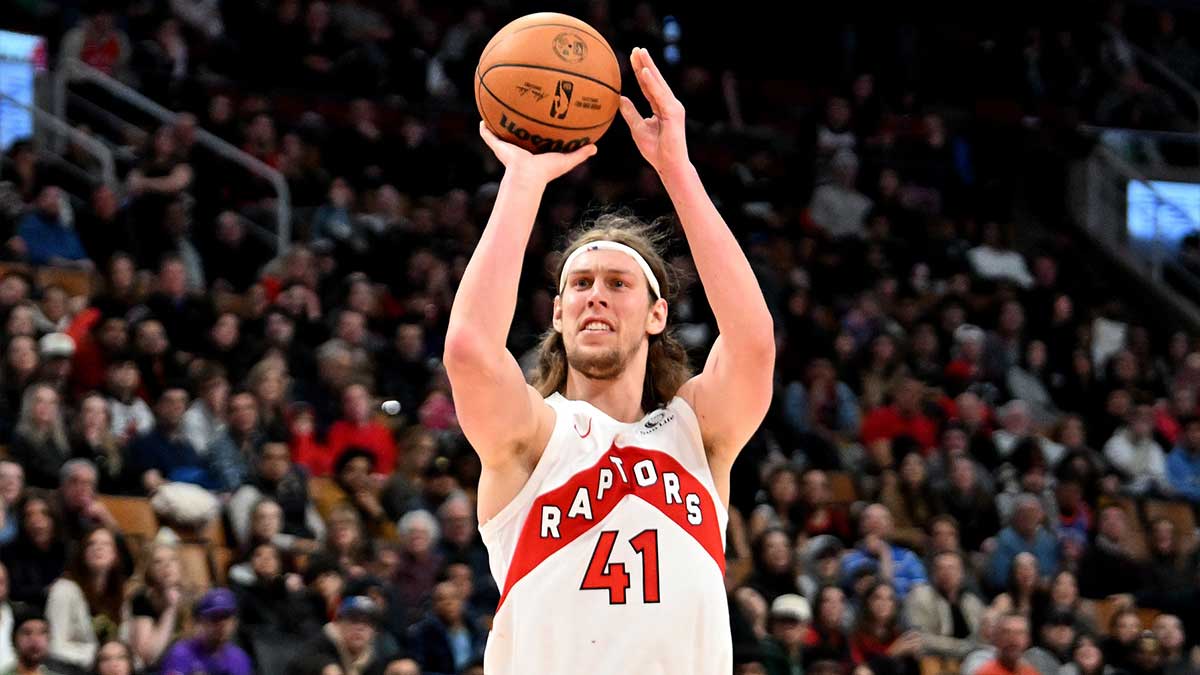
596, 326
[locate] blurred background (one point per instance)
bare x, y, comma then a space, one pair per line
231, 232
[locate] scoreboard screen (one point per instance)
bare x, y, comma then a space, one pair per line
1169, 212
21, 58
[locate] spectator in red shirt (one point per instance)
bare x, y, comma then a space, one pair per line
357, 428
817, 514
95, 346
967, 366
307, 451
826, 638
903, 417
99, 43
1168, 415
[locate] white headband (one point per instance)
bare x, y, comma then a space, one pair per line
606, 245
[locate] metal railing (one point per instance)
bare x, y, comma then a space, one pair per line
1162, 70
75, 70
93, 146
1103, 213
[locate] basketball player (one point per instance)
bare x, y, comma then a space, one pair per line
604, 489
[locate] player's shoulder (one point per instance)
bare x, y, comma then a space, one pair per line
688, 392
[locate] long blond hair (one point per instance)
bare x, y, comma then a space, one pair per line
667, 366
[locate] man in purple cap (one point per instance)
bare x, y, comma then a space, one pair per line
212, 651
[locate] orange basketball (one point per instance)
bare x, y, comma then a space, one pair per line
548, 82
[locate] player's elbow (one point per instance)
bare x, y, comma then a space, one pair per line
757, 344
463, 352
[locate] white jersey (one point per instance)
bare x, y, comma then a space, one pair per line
611, 558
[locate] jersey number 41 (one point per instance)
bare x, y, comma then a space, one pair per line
603, 575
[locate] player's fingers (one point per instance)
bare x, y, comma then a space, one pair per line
490, 138
652, 91
585, 152
648, 62
577, 157
629, 111
486, 133
635, 59
667, 101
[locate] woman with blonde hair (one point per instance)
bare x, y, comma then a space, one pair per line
160, 607
347, 542
40, 441
269, 381
92, 439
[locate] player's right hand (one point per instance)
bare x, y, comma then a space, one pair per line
542, 168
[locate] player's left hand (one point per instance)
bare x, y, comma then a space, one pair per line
660, 138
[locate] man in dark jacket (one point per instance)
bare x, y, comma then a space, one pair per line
443, 642
347, 641
165, 454
1107, 568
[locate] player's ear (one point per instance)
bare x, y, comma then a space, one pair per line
556, 319
656, 318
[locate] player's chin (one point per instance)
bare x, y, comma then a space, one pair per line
597, 362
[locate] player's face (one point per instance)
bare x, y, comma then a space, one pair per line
605, 313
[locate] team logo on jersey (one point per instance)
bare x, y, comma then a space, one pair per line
582, 427
655, 421
582, 502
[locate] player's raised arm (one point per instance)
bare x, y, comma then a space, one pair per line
733, 392
497, 410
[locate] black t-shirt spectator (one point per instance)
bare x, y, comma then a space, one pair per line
1108, 569
149, 212
40, 457
31, 570
185, 319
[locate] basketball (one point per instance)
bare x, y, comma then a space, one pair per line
548, 83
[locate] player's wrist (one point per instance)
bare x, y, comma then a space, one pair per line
525, 177
677, 172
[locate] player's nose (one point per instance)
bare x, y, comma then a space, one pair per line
597, 295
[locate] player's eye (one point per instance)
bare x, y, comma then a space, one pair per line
619, 283
582, 282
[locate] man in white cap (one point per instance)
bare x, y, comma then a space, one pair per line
56, 350
787, 623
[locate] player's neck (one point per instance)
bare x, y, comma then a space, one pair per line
620, 398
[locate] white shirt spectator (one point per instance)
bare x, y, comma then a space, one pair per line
840, 211
1000, 265
200, 426
1142, 459
135, 414
8, 657
202, 15
830, 141
72, 637
1108, 338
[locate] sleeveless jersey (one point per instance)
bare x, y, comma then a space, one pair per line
611, 558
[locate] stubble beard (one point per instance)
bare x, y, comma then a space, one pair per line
605, 365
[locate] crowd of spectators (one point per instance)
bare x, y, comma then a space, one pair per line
975, 451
